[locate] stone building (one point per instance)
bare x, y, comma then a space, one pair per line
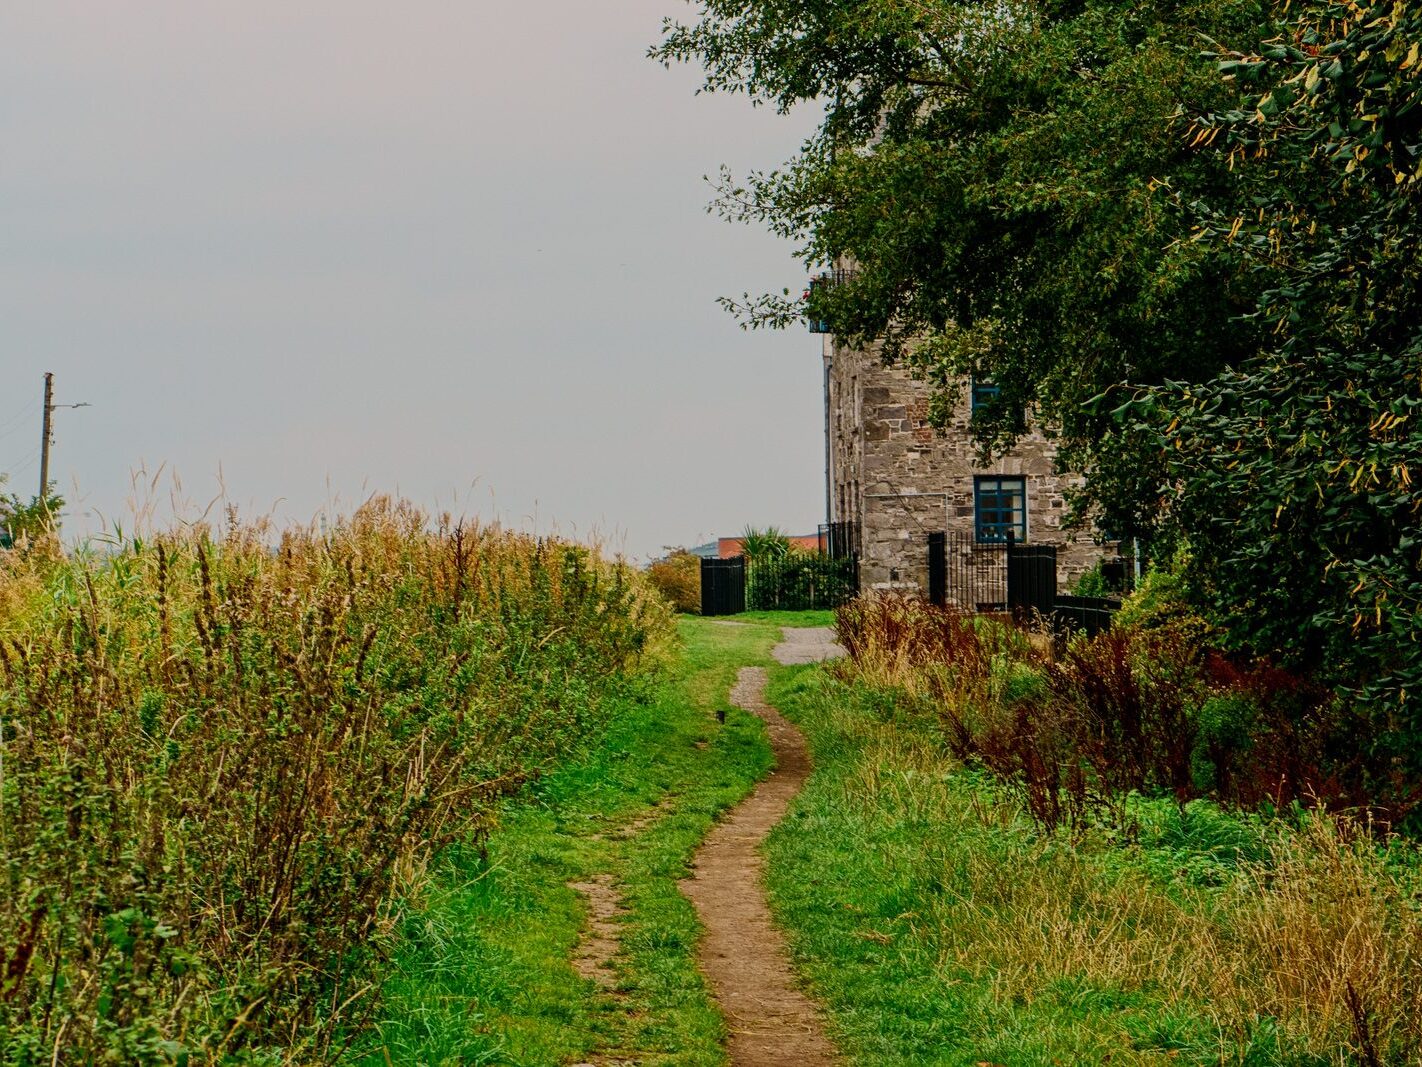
895, 479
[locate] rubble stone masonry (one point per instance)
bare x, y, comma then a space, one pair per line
897, 479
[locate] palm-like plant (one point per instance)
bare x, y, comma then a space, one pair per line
766, 544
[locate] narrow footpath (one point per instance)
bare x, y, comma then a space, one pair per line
743, 955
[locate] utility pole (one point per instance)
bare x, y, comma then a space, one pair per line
47, 431
46, 434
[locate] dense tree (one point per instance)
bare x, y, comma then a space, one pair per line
1002, 176
1185, 234
1291, 473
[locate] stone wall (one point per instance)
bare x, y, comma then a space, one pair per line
898, 479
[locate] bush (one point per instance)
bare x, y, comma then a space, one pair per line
1225, 725
225, 763
1160, 600
1138, 709
677, 577
1092, 583
798, 581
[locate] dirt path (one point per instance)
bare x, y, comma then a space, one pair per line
602, 937
743, 955
806, 644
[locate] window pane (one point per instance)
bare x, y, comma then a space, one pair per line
1001, 508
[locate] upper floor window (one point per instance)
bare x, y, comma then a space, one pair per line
984, 393
1001, 507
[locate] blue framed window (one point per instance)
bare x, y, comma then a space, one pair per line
984, 393
1000, 507
985, 396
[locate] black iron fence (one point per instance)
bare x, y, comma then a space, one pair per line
798, 581
839, 539
802, 581
1006, 576
966, 575
723, 586
1089, 613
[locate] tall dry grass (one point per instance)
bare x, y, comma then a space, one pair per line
226, 761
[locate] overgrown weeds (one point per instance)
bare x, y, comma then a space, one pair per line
941, 923
1135, 709
225, 762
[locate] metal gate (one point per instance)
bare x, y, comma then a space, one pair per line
723, 586
965, 574
1031, 580
938, 568
970, 575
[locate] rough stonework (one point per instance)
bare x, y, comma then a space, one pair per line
896, 479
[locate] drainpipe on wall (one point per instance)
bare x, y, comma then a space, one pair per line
829, 477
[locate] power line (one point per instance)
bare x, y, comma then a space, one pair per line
12, 422
18, 426
23, 465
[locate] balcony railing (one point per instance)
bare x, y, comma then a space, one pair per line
829, 278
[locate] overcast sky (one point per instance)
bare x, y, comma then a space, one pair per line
454, 250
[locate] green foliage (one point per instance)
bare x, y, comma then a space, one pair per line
1161, 599
31, 522
1225, 725
225, 763
1013, 682
798, 581
1202, 270
1092, 583
767, 544
677, 576
1292, 472
999, 180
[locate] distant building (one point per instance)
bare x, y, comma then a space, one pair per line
893, 478
731, 547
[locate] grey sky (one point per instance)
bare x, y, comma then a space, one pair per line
455, 250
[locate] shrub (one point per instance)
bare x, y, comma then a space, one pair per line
1092, 583
1137, 709
1225, 724
677, 576
798, 581
894, 635
1161, 600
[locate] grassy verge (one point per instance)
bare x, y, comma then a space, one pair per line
787, 618
484, 976
941, 926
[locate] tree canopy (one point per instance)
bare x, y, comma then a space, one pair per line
1183, 234
1012, 183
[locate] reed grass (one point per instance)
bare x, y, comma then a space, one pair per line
229, 756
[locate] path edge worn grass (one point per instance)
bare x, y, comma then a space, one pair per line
484, 974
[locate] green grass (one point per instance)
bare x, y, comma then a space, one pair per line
484, 976
782, 618
939, 926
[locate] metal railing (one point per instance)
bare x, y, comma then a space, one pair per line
967, 575
830, 278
